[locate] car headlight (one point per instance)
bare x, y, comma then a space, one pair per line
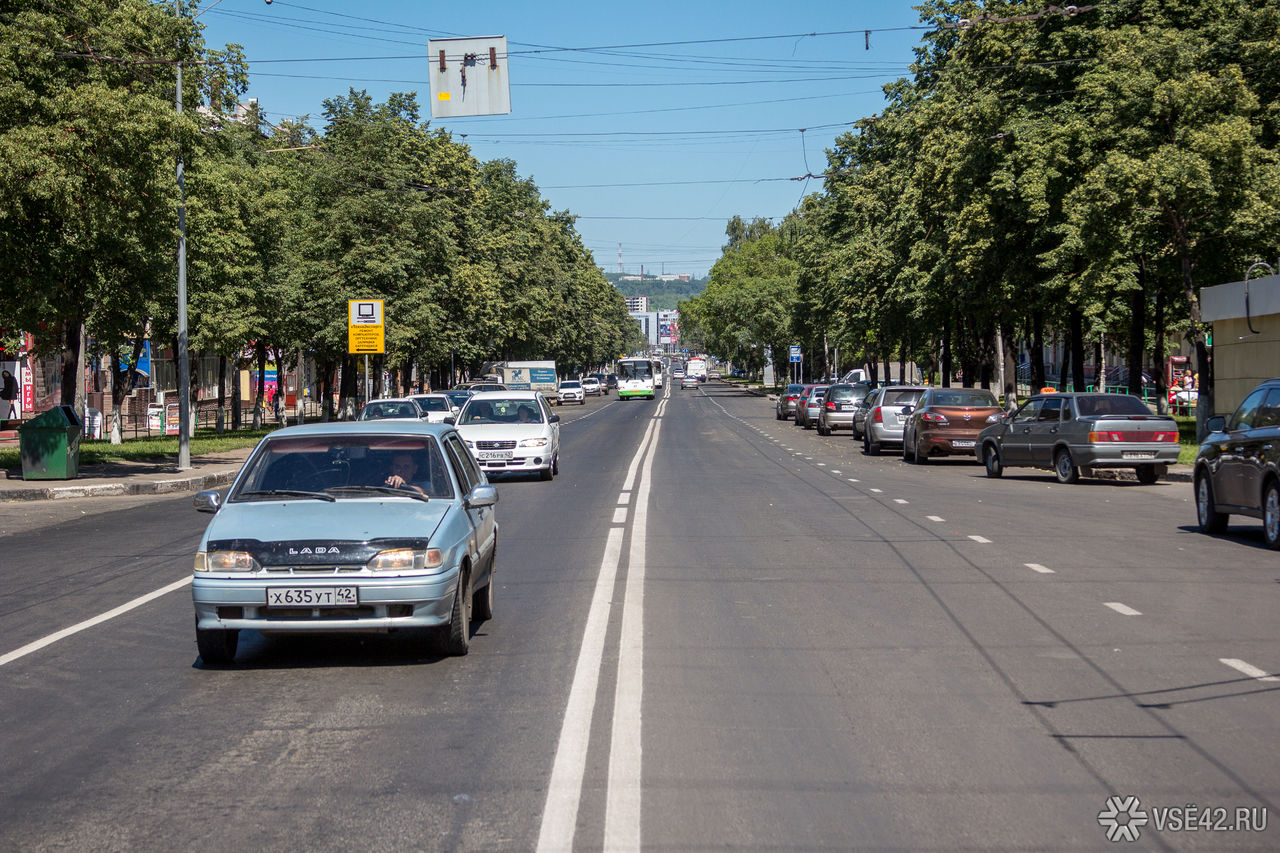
226, 561
469, 443
406, 559
534, 442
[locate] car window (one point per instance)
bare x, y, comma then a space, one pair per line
1269, 413
900, 397
1029, 412
1246, 415
1110, 404
463, 463
1051, 411
432, 404
962, 397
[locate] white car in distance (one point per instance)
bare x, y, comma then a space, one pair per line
511, 432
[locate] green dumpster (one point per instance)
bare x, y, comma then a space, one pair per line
50, 445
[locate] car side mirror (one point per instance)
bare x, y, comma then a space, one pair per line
207, 501
1217, 423
555, 419
483, 495
450, 420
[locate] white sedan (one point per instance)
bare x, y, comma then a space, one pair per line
512, 432
435, 407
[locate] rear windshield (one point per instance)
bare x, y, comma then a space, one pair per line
432, 404
900, 397
964, 398
1110, 404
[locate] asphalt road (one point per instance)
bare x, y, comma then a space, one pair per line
713, 630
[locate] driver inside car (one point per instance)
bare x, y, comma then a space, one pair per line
404, 474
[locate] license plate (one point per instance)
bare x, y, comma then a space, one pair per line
1138, 454
961, 443
844, 408
312, 596
494, 454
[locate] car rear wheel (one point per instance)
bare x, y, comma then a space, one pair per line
918, 457
908, 450
869, 447
1147, 475
1271, 515
1207, 515
457, 634
991, 459
1064, 467
482, 599
217, 646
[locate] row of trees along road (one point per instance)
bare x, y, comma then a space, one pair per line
1069, 172
285, 223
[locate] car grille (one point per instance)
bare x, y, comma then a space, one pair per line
495, 445
307, 613
313, 570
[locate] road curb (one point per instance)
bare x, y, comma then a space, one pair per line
141, 487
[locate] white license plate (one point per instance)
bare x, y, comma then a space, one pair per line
494, 454
961, 443
1138, 454
312, 596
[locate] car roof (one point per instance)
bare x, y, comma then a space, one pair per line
383, 426
504, 395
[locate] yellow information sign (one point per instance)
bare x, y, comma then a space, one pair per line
365, 329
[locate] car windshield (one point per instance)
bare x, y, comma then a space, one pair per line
379, 409
1110, 404
501, 411
970, 398
344, 466
570, 384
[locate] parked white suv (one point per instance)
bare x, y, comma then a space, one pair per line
571, 392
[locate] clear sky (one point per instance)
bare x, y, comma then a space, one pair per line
651, 144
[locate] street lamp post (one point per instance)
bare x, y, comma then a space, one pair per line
184, 366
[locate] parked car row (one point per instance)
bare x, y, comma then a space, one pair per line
1072, 435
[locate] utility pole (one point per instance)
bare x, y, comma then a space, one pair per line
184, 366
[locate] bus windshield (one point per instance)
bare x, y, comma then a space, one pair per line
634, 370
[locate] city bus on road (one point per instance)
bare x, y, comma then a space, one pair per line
635, 378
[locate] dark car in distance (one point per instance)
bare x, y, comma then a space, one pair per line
1237, 469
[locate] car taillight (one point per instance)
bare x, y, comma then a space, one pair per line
1166, 436
877, 416
831, 407
933, 418
1098, 437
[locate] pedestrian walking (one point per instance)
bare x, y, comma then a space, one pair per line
8, 394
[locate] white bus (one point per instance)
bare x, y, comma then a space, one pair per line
635, 378
657, 372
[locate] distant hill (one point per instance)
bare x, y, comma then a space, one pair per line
663, 295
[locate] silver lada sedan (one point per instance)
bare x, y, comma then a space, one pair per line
358, 526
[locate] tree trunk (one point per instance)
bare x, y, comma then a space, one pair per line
1162, 389
1039, 378
222, 393
1204, 361
260, 352
236, 402
1077, 349
1064, 371
946, 356
1137, 332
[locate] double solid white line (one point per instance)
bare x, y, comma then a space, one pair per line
564, 792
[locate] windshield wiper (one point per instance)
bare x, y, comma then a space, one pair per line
286, 493
381, 490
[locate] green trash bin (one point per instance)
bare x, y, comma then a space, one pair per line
50, 445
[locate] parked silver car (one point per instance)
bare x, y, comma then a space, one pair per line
809, 404
357, 526
883, 420
1073, 434
840, 405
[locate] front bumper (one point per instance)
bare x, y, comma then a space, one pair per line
224, 603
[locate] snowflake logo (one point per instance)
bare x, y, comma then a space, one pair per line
1122, 818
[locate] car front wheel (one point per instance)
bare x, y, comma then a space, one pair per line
1271, 515
457, 634
217, 647
991, 459
1207, 515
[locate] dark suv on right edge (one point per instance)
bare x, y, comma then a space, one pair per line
1237, 469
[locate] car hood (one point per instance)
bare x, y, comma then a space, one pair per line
344, 520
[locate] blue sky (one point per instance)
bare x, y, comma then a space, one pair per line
700, 131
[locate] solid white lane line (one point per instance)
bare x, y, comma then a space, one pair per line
622, 802
935, 518
984, 540
560, 812
1036, 567
635, 462
1122, 608
89, 623
1249, 669
620, 515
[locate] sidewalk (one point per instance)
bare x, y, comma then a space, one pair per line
207, 471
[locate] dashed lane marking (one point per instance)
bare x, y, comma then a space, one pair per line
1036, 567
1123, 609
1249, 669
